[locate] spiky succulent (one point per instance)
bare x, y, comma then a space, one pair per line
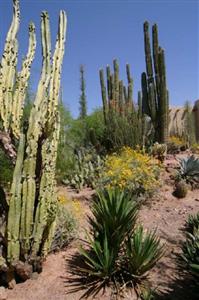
189, 169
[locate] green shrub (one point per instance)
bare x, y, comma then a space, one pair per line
116, 249
132, 170
6, 168
143, 250
191, 246
159, 151
192, 223
66, 228
86, 169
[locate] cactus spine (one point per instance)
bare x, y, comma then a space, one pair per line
33, 201
155, 102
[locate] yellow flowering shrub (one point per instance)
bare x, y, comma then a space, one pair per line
72, 205
177, 141
133, 170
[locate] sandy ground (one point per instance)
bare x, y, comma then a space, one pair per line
163, 212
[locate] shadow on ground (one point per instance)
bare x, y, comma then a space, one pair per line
77, 279
180, 289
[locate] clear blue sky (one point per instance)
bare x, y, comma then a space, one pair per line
99, 31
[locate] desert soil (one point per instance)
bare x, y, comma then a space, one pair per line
164, 213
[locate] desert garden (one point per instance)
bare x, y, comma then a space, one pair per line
103, 206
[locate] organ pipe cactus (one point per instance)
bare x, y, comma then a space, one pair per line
155, 102
33, 200
121, 117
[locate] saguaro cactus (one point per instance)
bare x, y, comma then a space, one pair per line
33, 201
155, 100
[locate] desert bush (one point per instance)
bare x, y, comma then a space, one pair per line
6, 168
66, 228
159, 151
131, 170
116, 248
191, 247
86, 170
195, 148
176, 144
189, 170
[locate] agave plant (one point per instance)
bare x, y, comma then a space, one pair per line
189, 169
143, 250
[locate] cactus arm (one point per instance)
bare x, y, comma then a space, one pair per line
13, 226
22, 83
37, 116
116, 83
148, 58
47, 202
108, 74
103, 91
8, 68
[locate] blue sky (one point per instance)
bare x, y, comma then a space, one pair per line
99, 31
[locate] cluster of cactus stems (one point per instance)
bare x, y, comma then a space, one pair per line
33, 201
119, 108
116, 97
155, 100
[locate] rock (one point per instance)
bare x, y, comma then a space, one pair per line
24, 270
3, 294
34, 276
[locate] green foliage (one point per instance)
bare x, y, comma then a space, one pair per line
143, 250
159, 151
191, 246
86, 170
65, 156
114, 213
192, 223
116, 248
66, 227
191, 253
181, 189
6, 168
189, 170
123, 120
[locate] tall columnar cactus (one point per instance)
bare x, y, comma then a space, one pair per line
155, 100
120, 114
116, 97
33, 201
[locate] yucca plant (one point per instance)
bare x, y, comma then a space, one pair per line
114, 212
191, 253
192, 223
114, 217
143, 250
189, 169
100, 259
